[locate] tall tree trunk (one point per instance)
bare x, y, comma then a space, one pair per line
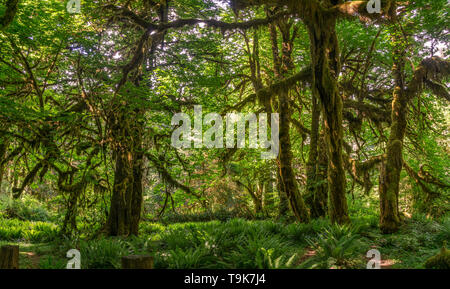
283, 205
326, 67
316, 197
126, 201
283, 64
311, 165
391, 167
317, 187
268, 192
288, 181
138, 192
321, 191
69, 222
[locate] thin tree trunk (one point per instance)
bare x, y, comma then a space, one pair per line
138, 193
283, 64
283, 205
70, 218
288, 181
268, 192
317, 188
258, 204
3, 149
321, 192
316, 197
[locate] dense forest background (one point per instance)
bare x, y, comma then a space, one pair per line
87, 162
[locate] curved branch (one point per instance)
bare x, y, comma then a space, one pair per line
168, 177
180, 23
303, 75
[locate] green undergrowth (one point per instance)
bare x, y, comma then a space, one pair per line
236, 243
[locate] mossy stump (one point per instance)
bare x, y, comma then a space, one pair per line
9, 257
137, 262
440, 261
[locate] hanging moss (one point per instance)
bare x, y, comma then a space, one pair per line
326, 67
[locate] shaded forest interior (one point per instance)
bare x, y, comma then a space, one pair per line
355, 102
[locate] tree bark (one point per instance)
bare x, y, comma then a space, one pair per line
268, 192
321, 192
9, 257
127, 198
283, 205
326, 67
3, 149
288, 181
283, 64
391, 166
316, 184
126, 201
317, 187
137, 262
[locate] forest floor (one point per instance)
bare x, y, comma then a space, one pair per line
236, 243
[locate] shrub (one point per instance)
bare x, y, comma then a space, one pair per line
444, 230
191, 258
336, 246
25, 208
50, 262
13, 229
266, 260
102, 254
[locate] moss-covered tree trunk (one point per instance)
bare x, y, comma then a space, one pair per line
392, 164
127, 198
326, 67
69, 222
311, 165
288, 182
126, 201
258, 204
3, 148
268, 192
283, 64
316, 185
283, 205
321, 191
